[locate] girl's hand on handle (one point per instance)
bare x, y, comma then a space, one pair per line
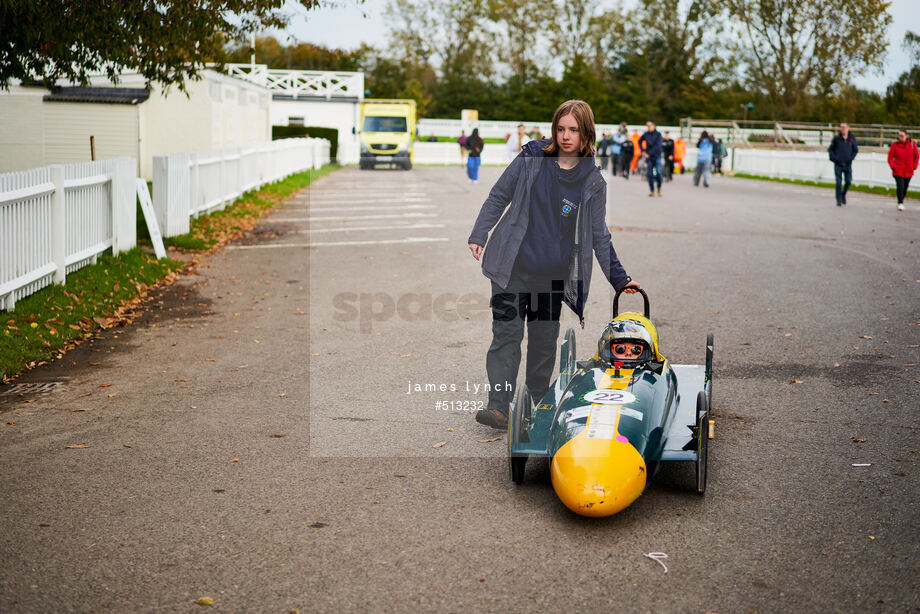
476, 249
630, 288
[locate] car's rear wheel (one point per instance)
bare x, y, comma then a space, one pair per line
708, 383
520, 411
702, 441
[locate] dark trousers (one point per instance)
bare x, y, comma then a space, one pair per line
604, 162
536, 300
901, 183
669, 169
653, 172
843, 174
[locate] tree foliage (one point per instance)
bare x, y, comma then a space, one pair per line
793, 49
165, 41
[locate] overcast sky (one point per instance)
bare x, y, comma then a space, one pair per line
348, 25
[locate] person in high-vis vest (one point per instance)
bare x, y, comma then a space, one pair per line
680, 151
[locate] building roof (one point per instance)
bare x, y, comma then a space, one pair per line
309, 98
108, 95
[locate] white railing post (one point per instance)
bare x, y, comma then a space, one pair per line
58, 225
171, 194
193, 185
124, 209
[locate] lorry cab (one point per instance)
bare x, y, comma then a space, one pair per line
387, 133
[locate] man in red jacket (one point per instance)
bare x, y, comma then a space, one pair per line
902, 158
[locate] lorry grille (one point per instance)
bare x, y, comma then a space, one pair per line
383, 146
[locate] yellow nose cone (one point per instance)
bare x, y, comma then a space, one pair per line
598, 477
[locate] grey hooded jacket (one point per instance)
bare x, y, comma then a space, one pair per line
512, 192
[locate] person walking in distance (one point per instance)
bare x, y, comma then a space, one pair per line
902, 158
602, 151
703, 160
462, 143
616, 149
680, 152
626, 156
474, 146
651, 142
515, 143
842, 152
548, 211
667, 155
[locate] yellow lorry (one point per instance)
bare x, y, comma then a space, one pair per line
387, 133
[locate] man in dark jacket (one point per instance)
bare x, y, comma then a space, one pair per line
842, 151
650, 143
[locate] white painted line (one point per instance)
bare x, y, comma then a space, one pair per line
335, 243
350, 228
371, 208
338, 218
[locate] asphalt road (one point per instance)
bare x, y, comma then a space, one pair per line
317, 329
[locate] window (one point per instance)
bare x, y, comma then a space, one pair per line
295, 121
385, 124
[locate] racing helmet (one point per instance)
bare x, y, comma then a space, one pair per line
630, 330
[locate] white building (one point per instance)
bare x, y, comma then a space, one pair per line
38, 127
329, 99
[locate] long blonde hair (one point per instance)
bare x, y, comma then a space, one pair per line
584, 117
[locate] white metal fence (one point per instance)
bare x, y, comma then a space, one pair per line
868, 168
190, 184
59, 218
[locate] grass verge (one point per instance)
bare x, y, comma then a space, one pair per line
46, 324
868, 189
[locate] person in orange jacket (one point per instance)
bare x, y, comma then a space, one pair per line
680, 150
637, 151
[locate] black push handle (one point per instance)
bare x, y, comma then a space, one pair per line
616, 300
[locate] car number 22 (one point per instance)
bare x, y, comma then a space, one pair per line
610, 397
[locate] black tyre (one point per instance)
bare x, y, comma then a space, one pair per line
520, 412
702, 442
407, 166
708, 384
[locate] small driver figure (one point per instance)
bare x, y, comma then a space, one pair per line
628, 342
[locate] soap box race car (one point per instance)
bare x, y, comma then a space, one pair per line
608, 423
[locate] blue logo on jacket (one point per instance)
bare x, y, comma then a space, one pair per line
568, 207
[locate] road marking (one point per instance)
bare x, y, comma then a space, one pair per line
334, 243
371, 208
394, 227
337, 218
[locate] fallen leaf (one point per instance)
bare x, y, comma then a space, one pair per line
79, 445
34, 325
11, 422
439, 444
277, 434
796, 381
211, 359
81, 409
787, 335
865, 337
104, 385
872, 537
114, 394
489, 440
836, 364
255, 341
858, 439
282, 394
234, 460
204, 601
127, 445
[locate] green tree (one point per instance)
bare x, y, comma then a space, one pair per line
902, 99
165, 41
796, 50
451, 35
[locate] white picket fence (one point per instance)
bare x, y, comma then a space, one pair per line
868, 168
59, 218
191, 184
